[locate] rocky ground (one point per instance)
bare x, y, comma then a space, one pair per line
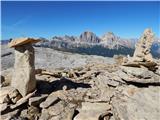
81, 87
51, 59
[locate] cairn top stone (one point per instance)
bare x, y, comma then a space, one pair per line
22, 41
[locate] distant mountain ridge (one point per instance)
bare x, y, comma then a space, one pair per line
107, 45
89, 43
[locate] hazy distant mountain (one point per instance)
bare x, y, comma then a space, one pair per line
4, 41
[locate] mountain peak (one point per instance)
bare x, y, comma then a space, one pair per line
90, 37
109, 36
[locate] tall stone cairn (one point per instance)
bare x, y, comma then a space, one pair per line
142, 55
143, 47
24, 68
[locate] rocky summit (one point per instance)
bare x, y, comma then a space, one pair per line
89, 37
71, 86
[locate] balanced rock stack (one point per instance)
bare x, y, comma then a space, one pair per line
142, 55
24, 69
142, 52
141, 68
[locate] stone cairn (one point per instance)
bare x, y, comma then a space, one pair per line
141, 68
24, 68
142, 56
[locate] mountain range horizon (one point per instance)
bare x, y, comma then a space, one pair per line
59, 35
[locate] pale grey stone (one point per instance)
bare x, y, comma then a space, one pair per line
35, 101
3, 107
92, 111
137, 104
24, 69
49, 101
22, 100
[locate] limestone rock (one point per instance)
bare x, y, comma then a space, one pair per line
5, 99
92, 111
3, 107
138, 72
24, 113
15, 96
24, 69
22, 100
7, 76
2, 80
11, 115
33, 113
22, 41
49, 101
151, 78
35, 101
9, 94
137, 104
44, 115
57, 108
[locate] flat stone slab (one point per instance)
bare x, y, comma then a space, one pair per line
34, 101
138, 75
138, 64
22, 41
49, 101
92, 111
22, 100
137, 104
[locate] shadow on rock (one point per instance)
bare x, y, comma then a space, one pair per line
45, 87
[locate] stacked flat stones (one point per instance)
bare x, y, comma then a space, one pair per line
142, 55
141, 68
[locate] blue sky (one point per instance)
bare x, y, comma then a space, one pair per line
47, 19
